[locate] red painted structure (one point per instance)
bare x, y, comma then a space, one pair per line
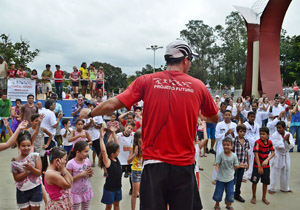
269, 49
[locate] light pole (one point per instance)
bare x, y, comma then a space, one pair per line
154, 48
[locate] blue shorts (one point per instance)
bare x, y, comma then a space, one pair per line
136, 176
2, 126
33, 197
229, 189
109, 197
68, 148
211, 133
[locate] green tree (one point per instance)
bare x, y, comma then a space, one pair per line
290, 58
114, 78
234, 49
201, 38
19, 52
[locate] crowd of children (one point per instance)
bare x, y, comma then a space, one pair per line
245, 149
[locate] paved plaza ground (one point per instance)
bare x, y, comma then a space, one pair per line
280, 201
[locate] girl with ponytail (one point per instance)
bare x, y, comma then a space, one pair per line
79, 167
112, 193
58, 180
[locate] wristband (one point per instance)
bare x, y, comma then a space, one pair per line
89, 113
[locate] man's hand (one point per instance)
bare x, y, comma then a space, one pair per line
84, 113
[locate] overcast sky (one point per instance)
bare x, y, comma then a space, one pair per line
68, 32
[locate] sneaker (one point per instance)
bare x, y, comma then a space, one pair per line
130, 192
126, 175
207, 151
212, 151
239, 198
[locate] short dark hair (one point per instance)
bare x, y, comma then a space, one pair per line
241, 127
223, 103
265, 130
282, 123
251, 113
65, 121
49, 103
30, 95
132, 123
227, 139
19, 100
227, 111
34, 116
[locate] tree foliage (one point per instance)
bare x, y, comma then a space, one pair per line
222, 51
114, 77
290, 58
18, 52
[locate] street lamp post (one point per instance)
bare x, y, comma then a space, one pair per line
154, 48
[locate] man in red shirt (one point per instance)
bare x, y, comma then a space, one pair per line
58, 76
172, 102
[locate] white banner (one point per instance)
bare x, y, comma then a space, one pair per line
20, 88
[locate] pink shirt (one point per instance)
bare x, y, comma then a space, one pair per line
55, 193
79, 139
21, 74
81, 190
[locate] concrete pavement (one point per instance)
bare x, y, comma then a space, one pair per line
279, 200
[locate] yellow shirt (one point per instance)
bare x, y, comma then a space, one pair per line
137, 163
84, 73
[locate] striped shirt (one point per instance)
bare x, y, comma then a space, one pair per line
241, 150
263, 151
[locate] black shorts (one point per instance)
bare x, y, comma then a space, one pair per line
99, 86
264, 178
163, 184
84, 83
75, 84
200, 135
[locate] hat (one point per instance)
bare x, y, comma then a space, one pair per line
1, 57
12, 63
178, 49
90, 103
217, 96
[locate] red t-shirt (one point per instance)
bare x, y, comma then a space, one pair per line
172, 101
296, 88
137, 125
75, 75
263, 151
59, 75
12, 73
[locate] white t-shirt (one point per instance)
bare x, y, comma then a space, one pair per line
66, 140
93, 131
49, 121
42, 110
125, 145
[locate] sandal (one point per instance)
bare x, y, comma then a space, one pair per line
217, 208
229, 208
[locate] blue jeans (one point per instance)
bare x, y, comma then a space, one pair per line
229, 189
59, 89
293, 130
